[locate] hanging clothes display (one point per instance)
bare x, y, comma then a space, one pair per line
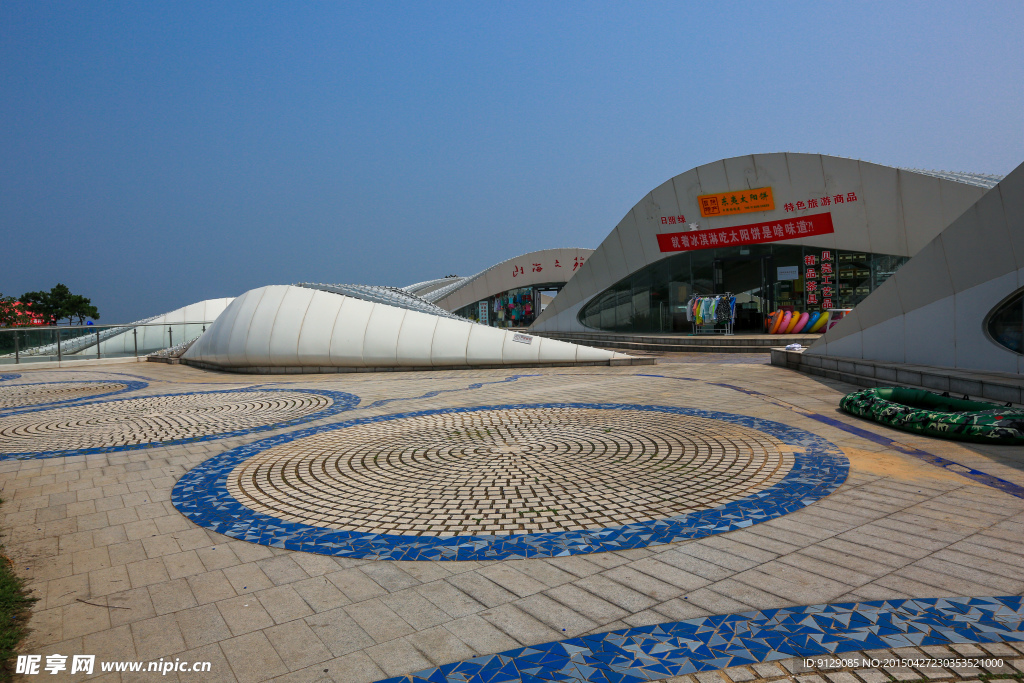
718, 309
514, 308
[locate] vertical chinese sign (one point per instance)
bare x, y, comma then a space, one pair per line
819, 287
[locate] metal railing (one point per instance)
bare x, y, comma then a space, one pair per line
38, 344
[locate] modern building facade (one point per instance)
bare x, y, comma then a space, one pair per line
806, 232
508, 294
958, 303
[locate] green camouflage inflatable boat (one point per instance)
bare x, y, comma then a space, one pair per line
925, 412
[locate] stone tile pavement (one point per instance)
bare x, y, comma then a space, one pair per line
121, 574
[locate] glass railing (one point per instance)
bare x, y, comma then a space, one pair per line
90, 342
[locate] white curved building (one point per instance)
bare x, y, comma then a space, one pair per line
331, 328
142, 336
959, 303
174, 327
806, 232
534, 269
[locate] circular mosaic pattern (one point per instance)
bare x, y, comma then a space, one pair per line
509, 472
104, 426
27, 395
293, 490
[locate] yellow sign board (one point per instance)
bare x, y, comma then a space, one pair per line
743, 201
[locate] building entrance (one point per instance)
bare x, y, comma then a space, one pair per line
751, 279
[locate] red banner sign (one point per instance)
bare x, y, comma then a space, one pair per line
755, 233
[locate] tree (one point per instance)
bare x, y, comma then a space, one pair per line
60, 303
12, 312
40, 305
81, 307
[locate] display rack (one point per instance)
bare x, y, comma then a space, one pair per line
718, 327
713, 328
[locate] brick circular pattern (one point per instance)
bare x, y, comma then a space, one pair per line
155, 419
520, 471
27, 395
818, 467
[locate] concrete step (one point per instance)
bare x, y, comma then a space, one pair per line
684, 343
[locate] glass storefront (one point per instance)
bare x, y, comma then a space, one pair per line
514, 308
763, 277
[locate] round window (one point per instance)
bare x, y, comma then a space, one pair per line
1005, 324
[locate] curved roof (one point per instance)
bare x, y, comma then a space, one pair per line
893, 211
986, 180
150, 333
424, 288
381, 294
544, 267
288, 326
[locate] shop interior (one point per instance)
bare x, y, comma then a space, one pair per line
516, 308
762, 277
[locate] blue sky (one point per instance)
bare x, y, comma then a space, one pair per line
156, 154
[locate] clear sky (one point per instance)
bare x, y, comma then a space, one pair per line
155, 154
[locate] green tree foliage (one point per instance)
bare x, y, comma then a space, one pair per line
11, 314
59, 304
82, 308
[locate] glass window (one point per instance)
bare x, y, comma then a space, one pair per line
763, 277
1006, 323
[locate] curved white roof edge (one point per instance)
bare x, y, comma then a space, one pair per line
153, 336
986, 180
382, 294
545, 266
287, 326
427, 286
462, 282
150, 336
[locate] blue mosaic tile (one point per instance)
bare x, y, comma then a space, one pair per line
9, 377
431, 394
129, 385
938, 461
341, 402
819, 469
651, 653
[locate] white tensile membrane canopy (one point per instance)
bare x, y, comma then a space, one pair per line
302, 326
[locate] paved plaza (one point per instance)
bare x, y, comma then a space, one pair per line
710, 518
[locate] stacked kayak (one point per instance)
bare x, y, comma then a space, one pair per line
787, 322
925, 412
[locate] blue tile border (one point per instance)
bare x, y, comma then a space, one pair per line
201, 495
9, 377
937, 460
650, 653
341, 402
431, 394
130, 385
